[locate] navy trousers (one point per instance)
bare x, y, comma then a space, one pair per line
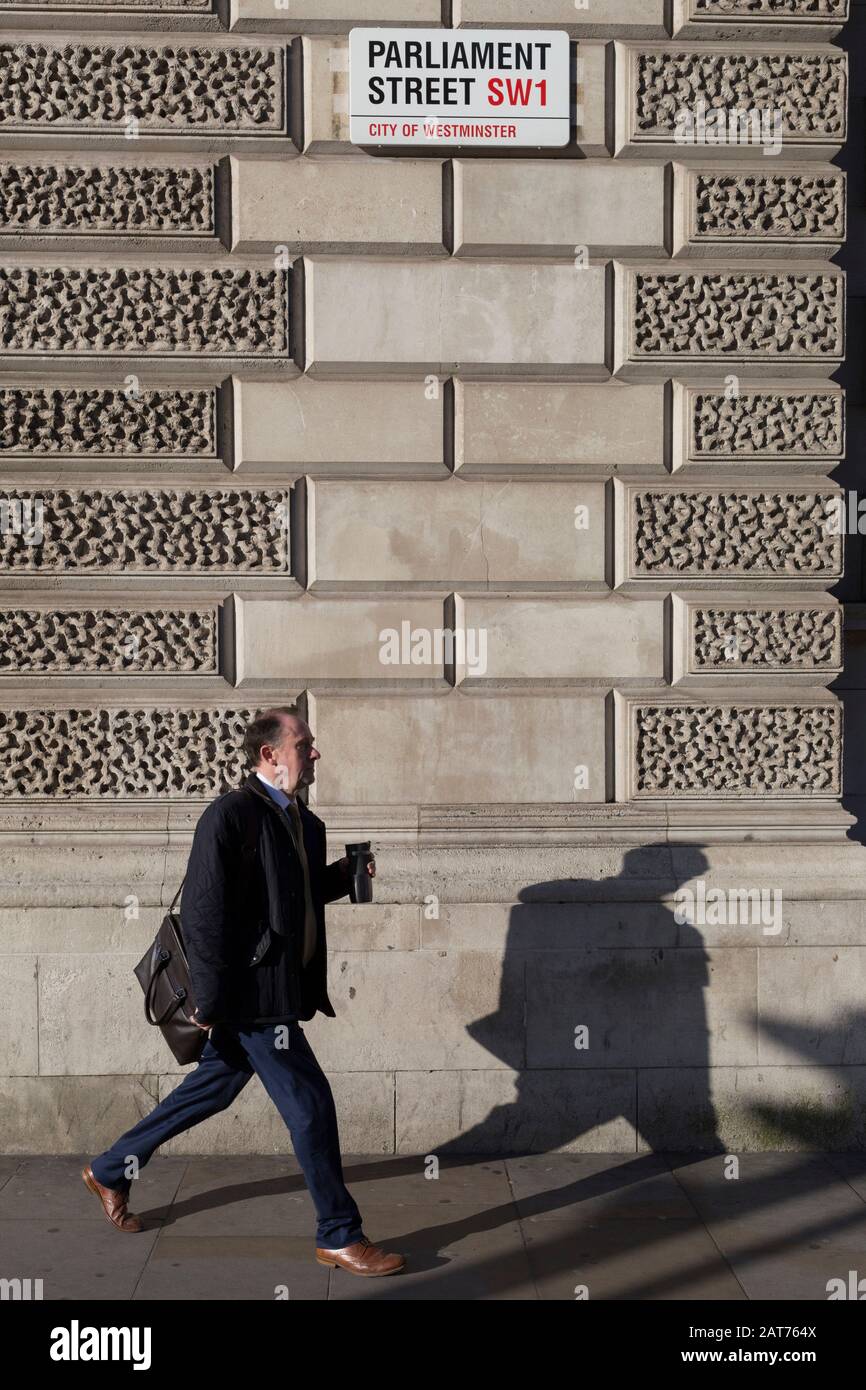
295, 1083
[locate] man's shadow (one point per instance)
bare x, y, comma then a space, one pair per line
599, 979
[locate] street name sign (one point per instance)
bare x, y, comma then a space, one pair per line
507, 88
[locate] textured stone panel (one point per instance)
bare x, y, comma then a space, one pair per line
105, 421
168, 88
389, 205
157, 6
783, 425
155, 531
753, 206
460, 748
118, 640
735, 533
736, 750
306, 422
765, 639
807, 89
536, 426
147, 752
754, 315
41, 198
796, 10
153, 311
453, 316
456, 531
590, 208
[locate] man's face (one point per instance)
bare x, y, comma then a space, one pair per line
290, 763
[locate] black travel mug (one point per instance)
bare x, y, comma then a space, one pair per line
361, 889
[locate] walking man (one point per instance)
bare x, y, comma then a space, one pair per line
254, 927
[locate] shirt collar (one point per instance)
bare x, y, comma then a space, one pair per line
277, 793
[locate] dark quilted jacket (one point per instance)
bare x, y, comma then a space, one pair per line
242, 911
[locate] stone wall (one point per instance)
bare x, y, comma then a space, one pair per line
266, 396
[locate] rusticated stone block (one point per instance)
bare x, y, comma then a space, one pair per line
736, 638
739, 750
157, 6
135, 752
156, 531
733, 533
166, 88
116, 641
793, 95
782, 425
800, 210
732, 316
155, 311
760, 20
75, 421
736, 11
42, 198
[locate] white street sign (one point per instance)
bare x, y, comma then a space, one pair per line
500, 87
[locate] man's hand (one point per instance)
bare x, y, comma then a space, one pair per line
346, 866
205, 1027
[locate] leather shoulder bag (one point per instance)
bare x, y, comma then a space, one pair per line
164, 975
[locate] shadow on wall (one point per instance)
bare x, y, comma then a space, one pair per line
599, 1002
651, 1010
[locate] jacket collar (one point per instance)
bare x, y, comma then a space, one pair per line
254, 784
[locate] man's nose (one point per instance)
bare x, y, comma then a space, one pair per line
314, 753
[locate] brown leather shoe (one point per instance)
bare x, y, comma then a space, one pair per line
362, 1258
113, 1203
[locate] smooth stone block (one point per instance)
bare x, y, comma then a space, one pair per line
457, 532
386, 205
339, 424
573, 208
460, 317
459, 748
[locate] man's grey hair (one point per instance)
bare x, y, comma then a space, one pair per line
267, 727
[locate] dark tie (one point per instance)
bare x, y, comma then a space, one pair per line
310, 911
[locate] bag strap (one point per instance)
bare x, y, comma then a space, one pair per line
177, 894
